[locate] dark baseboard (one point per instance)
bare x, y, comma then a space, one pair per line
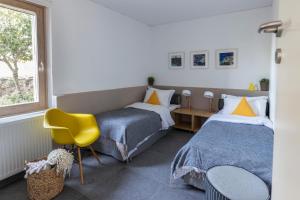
12, 179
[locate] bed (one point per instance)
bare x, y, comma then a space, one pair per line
245, 142
128, 131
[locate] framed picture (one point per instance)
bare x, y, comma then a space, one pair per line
199, 59
176, 60
226, 58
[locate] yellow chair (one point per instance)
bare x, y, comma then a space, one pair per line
73, 129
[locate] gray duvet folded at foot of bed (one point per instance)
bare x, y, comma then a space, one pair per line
127, 129
223, 143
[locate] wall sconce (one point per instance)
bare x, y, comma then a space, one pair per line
210, 96
188, 95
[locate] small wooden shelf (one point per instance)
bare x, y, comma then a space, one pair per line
190, 119
183, 126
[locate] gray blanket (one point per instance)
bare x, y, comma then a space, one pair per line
223, 143
128, 127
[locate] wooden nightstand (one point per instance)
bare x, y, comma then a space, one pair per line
190, 119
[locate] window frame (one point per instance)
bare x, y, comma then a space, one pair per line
42, 65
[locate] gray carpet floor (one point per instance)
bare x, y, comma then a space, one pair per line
147, 177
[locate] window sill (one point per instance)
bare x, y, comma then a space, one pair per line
16, 118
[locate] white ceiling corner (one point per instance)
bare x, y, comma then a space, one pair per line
157, 12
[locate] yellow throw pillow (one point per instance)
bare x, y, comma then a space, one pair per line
244, 109
154, 99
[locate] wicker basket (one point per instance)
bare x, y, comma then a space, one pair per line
45, 185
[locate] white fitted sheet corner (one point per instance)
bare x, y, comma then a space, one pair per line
265, 121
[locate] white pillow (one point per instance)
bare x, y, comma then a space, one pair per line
164, 96
230, 105
258, 104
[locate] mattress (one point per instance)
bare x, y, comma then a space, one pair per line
126, 132
247, 146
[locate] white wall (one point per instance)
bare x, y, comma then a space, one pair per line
95, 48
236, 30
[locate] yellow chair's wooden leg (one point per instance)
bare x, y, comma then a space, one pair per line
95, 155
80, 165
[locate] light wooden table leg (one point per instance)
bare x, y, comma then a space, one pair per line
95, 155
80, 165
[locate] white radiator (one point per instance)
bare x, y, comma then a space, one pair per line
22, 140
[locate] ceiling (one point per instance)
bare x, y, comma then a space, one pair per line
157, 12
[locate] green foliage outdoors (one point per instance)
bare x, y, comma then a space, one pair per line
15, 36
17, 98
15, 48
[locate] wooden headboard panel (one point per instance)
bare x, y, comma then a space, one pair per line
176, 99
100, 101
200, 102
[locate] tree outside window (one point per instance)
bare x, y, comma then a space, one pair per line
17, 66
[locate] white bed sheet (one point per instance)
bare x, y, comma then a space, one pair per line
265, 121
173, 107
163, 111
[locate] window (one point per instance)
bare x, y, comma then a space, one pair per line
22, 58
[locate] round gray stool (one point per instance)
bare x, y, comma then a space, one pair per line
234, 183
